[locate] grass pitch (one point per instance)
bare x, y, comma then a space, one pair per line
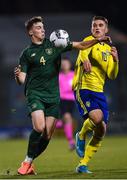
57, 162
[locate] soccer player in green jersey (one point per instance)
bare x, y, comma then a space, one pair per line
92, 68
38, 68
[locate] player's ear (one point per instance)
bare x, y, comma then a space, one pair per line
106, 31
30, 32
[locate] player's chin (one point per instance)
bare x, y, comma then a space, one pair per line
42, 37
98, 35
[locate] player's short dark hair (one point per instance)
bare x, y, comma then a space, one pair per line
29, 23
100, 18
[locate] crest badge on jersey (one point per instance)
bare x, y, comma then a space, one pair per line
108, 52
49, 51
88, 103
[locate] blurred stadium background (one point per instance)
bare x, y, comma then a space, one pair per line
75, 17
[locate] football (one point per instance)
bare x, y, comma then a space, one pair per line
60, 38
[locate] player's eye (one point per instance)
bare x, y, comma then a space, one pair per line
101, 25
94, 25
38, 27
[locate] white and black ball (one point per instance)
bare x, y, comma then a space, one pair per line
60, 38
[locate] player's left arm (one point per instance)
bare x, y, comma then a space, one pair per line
113, 66
86, 44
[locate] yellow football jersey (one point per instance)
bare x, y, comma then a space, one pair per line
102, 66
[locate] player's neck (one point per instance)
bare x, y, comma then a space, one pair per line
36, 40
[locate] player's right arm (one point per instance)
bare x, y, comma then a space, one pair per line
19, 76
20, 71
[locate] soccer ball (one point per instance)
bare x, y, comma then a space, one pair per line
60, 38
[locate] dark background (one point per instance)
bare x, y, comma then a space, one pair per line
112, 9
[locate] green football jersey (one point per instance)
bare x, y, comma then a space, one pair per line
42, 65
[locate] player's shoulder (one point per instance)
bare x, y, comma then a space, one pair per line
87, 38
26, 49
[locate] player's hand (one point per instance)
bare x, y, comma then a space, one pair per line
105, 39
17, 71
87, 66
114, 53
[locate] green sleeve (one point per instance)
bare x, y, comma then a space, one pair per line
23, 62
68, 48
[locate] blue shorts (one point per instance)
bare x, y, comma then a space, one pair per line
89, 100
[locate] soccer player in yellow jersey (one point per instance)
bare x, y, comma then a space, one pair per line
92, 67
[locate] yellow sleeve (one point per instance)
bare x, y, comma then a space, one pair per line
83, 54
113, 69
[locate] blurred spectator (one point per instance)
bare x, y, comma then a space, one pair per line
67, 104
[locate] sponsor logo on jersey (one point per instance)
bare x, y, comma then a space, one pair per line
33, 54
34, 105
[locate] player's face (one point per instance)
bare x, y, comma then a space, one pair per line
37, 31
99, 28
